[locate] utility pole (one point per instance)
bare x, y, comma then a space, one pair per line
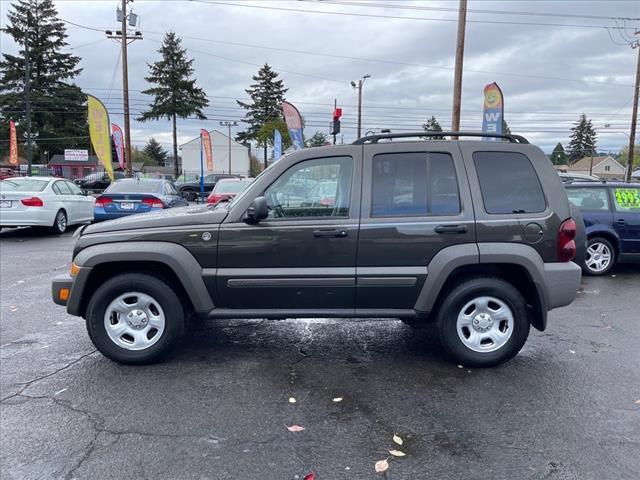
229, 124
124, 38
457, 80
27, 87
634, 113
358, 86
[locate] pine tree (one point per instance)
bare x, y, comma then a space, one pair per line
558, 156
267, 94
57, 106
175, 93
583, 139
432, 125
505, 128
154, 150
318, 139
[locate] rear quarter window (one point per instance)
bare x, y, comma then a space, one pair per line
509, 183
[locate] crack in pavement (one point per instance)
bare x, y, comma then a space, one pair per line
55, 372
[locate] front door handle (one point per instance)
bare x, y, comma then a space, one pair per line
329, 232
451, 229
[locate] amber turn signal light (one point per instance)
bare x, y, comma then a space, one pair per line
64, 294
74, 269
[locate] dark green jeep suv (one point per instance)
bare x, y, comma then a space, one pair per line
474, 235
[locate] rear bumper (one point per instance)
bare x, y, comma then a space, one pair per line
58, 285
29, 217
562, 281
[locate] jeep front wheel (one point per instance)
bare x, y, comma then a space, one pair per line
483, 322
135, 319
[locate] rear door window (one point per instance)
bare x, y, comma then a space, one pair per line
589, 198
414, 184
509, 183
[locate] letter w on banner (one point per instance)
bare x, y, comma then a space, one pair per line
294, 124
208, 151
118, 141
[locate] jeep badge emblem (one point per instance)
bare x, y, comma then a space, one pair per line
206, 236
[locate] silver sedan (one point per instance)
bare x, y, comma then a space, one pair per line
43, 201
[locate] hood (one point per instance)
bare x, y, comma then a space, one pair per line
172, 217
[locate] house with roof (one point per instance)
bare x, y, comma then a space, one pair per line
602, 167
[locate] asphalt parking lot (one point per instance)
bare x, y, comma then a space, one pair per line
568, 407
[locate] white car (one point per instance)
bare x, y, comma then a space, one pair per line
44, 202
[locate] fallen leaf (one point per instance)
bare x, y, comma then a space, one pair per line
572, 351
460, 366
397, 453
613, 276
309, 476
337, 399
60, 391
381, 466
20, 281
292, 400
637, 402
13, 308
295, 428
397, 439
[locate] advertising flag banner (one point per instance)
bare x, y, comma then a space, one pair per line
493, 111
13, 144
277, 145
294, 124
118, 141
100, 133
208, 150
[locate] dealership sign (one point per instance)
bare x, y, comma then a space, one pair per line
76, 155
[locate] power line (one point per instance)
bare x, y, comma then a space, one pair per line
394, 17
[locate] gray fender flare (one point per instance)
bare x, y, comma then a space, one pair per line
174, 256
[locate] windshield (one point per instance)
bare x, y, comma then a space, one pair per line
231, 186
129, 186
23, 184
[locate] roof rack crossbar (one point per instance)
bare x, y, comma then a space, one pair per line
374, 138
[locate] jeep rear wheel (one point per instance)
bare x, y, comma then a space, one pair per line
483, 322
135, 319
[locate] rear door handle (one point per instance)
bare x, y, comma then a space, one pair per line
451, 229
620, 221
331, 232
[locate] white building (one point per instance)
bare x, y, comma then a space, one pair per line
239, 164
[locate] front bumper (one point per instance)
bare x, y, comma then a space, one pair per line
562, 281
61, 289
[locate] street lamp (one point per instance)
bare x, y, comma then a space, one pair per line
358, 86
229, 124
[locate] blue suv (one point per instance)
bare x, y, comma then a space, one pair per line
611, 213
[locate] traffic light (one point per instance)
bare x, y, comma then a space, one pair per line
334, 126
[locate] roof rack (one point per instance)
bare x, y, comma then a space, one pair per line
374, 138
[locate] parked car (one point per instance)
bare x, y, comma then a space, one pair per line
578, 177
475, 236
227, 188
611, 213
7, 173
43, 202
98, 180
129, 196
191, 190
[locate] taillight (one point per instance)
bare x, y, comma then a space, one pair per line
32, 202
153, 202
566, 241
102, 201
215, 198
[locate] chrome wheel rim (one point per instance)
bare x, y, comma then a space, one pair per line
598, 257
134, 321
485, 324
61, 222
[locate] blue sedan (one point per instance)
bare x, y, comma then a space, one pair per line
611, 214
130, 196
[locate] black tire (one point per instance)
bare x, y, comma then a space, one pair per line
59, 223
588, 266
162, 292
188, 194
464, 293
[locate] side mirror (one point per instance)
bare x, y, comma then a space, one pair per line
257, 210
